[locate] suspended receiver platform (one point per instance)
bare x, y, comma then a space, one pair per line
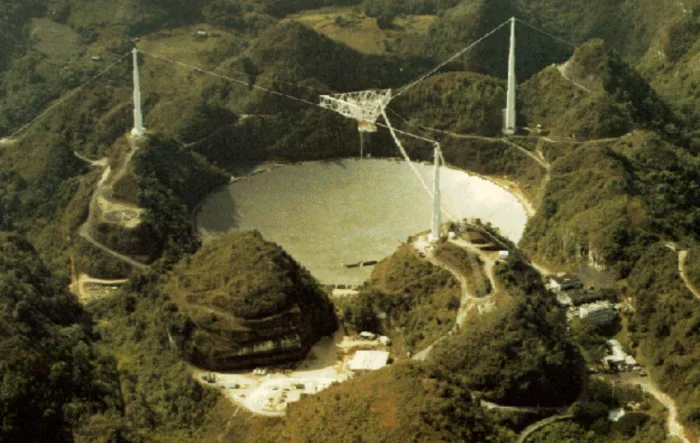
363, 106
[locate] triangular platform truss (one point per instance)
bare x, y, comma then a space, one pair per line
363, 106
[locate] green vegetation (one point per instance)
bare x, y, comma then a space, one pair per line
44, 199
160, 395
92, 261
418, 297
519, 354
665, 328
601, 96
53, 380
460, 102
246, 302
105, 374
692, 264
467, 264
607, 203
14, 14
632, 428
358, 313
589, 420
398, 403
173, 180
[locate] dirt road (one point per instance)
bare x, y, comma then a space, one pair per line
540, 424
682, 255
674, 427
562, 70
100, 189
103, 162
468, 300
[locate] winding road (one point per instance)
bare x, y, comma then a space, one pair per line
467, 302
675, 428
525, 434
84, 230
530, 154
562, 70
682, 256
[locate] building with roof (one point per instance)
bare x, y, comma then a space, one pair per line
580, 297
600, 313
619, 359
368, 360
563, 282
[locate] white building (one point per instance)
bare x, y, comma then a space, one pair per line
368, 360
619, 359
368, 335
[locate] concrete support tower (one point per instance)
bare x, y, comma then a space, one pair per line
435, 228
139, 130
509, 113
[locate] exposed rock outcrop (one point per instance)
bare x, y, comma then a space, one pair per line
248, 303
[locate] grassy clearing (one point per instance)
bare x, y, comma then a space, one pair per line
360, 32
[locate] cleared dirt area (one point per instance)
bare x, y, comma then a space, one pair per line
122, 214
89, 289
269, 394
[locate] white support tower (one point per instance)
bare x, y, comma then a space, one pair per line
436, 222
509, 125
139, 130
366, 107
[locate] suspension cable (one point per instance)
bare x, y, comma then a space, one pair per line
546, 33
457, 55
69, 95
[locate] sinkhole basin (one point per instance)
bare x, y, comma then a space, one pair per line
327, 214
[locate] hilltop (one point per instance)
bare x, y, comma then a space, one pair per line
398, 403
612, 171
248, 304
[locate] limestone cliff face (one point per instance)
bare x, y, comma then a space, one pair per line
249, 304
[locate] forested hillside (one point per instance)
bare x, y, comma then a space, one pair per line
609, 111
53, 379
541, 368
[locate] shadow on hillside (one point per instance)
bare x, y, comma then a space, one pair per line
218, 214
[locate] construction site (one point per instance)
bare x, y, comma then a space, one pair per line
269, 391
